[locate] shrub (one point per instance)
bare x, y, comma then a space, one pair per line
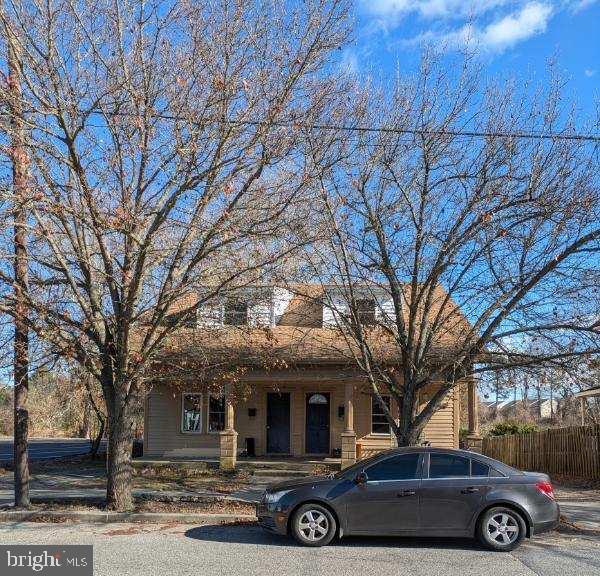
512, 427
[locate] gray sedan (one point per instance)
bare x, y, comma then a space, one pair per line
414, 492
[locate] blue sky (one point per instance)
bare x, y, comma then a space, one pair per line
515, 38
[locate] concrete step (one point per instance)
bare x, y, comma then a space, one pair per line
268, 472
307, 466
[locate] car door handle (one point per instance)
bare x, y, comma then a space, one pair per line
469, 490
406, 493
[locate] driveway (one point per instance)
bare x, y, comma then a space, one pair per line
127, 549
42, 448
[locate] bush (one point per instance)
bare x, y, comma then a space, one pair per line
512, 427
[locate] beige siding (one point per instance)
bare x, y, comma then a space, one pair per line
442, 429
163, 435
163, 417
369, 443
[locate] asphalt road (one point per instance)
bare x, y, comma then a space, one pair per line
41, 448
127, 549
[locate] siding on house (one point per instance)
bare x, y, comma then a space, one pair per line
281, 300
164, 436
335, 303
443, 428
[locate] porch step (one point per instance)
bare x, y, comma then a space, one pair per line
285, 473
305, 466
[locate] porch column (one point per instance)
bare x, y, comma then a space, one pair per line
348, 435
228, 437
473, 440
473, 409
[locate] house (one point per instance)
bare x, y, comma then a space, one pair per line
291, 388
542, 408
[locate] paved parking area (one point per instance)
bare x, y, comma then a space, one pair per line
42, 448
127, 549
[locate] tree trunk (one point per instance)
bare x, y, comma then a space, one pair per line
98, 438
118, 461
408, 436
86, 426
20, 166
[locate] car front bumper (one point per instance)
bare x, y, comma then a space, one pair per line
272, 518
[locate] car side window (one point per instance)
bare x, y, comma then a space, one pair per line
448, 466
479, 468
403, 467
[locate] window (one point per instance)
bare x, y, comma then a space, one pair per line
448, 466
191, 413
379, 422
365, 311
236, 313
479, 468
404, 467
216, 413
317, 399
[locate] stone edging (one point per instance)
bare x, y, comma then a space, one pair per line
110, 517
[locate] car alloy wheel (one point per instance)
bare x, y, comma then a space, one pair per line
501, 529
313, 525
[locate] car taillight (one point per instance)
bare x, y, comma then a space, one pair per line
545, 488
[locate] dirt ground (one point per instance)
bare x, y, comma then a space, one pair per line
199, 506
63, 473
576, 489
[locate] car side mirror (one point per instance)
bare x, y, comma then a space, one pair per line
361, 478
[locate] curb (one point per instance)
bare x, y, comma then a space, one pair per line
116, 517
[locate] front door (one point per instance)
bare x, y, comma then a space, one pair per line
317, 423
278, 423
388, 502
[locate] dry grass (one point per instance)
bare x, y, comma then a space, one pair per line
576, 488
185, 506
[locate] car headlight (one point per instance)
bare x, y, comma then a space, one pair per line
272, 497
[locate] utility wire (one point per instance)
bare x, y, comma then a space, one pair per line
520, 134
383, 129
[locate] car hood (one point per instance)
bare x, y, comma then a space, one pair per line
298, 482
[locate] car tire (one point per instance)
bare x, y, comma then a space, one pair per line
313, 525
501, 529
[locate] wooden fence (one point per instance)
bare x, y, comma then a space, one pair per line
573, 451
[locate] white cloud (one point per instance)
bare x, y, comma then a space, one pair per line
396, 9
492, 25
532, 19
579, 5
589, 73
498, 35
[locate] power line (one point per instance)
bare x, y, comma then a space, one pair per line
519, 134
383, 129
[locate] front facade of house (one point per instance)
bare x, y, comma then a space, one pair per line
315, 406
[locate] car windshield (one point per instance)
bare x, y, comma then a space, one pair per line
353, 470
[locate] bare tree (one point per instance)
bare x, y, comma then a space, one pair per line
165, 157
475, 214
19, 157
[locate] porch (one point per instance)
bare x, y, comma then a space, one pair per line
264, 466
291, 417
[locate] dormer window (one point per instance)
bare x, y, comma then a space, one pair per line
365, 311
235, 313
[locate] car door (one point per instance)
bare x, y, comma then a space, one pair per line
450, 495
388, 502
